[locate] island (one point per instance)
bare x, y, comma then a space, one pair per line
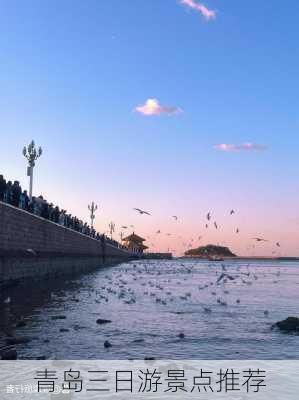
210, 251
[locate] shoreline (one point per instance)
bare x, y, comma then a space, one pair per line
250, 258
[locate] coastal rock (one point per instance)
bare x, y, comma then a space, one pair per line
8, 353
102, 321
107, 344
289, 325
21, 324
58, 317
17, 340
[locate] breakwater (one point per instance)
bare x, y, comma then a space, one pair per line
32, 247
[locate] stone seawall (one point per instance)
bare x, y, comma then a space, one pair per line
32, 247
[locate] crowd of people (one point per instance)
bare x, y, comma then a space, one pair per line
13, 194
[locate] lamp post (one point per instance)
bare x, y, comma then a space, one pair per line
111, 228
92, 208
32, 154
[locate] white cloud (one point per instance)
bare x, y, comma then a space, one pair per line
153, 107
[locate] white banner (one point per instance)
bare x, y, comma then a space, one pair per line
149, 379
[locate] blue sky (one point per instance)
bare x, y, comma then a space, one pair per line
72, 73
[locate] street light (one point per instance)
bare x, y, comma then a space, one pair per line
92, 208
32, 154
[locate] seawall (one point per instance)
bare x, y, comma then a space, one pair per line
32, 247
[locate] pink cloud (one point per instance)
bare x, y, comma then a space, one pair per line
208, 14
243, 146
153, 107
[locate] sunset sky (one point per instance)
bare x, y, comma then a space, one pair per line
178, 107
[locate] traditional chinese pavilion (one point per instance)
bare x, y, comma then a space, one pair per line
134, 243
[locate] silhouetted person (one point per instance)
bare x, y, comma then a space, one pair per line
2, 187
24, 201
8, 193
16, 193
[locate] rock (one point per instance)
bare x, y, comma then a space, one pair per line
17, 340
102, 321
8, 353
58, 317
107, 344
289, 325
138, 341
181, 335
21, 324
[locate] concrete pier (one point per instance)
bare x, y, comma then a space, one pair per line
33, 247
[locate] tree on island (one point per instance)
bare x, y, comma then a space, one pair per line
210, 250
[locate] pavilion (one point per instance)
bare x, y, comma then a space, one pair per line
134, 243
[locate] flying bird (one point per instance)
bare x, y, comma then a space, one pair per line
260, 239
215, 224
232, 212
141, 211
124, 227
237, 230
208, 216
175, 217
223, 275
207, 225
278, 244
158, 231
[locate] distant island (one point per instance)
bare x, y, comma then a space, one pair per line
210, 251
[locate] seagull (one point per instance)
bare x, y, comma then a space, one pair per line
31, 251
278, 244
232, 212
215, 224
237, 230
175, 217
124, 227
223, 275
260, 239
141, 211
207, 225
208, 216
158, 231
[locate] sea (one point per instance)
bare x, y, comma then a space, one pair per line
162, 309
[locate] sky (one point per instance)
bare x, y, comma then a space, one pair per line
177, 107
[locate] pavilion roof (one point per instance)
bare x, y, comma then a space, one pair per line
134, 238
